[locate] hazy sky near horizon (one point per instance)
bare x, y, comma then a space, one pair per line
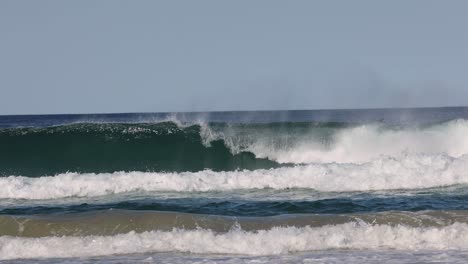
153, 56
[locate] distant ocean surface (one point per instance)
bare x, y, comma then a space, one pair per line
321, 186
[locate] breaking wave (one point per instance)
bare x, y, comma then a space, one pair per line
172, 146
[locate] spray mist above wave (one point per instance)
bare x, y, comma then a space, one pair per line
386, 173
278, 240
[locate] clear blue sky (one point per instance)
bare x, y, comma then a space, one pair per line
133, 56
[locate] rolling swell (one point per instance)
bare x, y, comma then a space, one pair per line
116, 147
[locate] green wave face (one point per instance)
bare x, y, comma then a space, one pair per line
100, 148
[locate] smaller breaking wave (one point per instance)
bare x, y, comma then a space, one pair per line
415, 171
